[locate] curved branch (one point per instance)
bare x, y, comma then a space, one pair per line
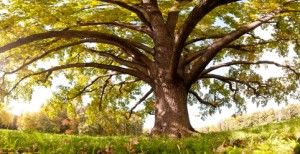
90, 84
115, 58
82, 65
239, 47
85, 88
45, 54
230, 79
242, 46
140, 101
201, 100
119, 60
141, 29
248, 63
128, 45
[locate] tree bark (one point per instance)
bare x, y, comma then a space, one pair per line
171, 113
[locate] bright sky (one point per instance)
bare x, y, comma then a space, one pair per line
39, 96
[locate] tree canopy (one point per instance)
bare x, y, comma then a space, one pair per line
109, 49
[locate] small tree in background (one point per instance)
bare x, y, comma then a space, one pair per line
6, 120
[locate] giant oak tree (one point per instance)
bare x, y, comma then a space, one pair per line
109, 49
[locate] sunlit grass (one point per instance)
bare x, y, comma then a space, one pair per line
272, 138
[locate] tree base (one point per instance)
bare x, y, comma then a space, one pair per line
173, 132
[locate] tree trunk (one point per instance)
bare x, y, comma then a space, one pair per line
171, 113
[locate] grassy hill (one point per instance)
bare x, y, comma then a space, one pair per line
278, 138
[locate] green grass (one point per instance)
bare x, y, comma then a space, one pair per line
278, 138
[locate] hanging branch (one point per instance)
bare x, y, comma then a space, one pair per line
82, 65
45, 54
106, 82
232, 79
90, 84
140, 101
201, 100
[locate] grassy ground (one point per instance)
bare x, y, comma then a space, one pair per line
278, 138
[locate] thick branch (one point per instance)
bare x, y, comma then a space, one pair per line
128, 45
199, 64
161, 35
173, 17
199, 11
171, 21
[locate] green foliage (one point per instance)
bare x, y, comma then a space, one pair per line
256, 119
6, 119
89, 120
272, 138
37, 121
110, 122
71, 119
